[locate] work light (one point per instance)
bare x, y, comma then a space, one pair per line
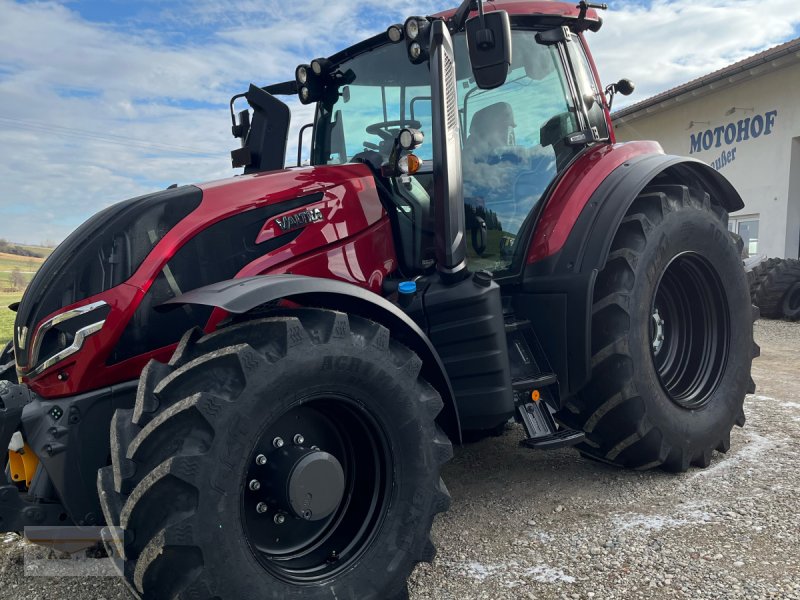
301, 74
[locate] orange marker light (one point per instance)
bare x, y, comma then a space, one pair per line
535, 395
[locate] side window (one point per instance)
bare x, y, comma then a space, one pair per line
513, 148
587, 86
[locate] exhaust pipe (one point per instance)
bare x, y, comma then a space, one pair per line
448, 197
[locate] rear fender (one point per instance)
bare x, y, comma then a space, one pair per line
241, 296
558, 290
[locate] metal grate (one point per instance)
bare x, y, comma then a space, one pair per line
450, 92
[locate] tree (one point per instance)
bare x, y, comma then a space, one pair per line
17, 279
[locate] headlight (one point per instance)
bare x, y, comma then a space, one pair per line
305, 95
415, 51
301, 74
395, 33
412, 28
411, 139
320, 66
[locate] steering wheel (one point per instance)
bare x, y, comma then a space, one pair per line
383, 129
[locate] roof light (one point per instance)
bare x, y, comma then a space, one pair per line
415, 51
395, 33
301, 74
320, 66
412, 28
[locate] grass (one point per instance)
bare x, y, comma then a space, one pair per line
7, 316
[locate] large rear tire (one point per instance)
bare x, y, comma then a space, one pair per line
776, 288
672, 337
294, 456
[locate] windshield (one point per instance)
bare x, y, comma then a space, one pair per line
511, 137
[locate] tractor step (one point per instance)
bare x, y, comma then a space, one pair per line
560, 439
543, 432
528, 384
535, 390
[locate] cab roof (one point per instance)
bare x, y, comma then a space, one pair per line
566, 10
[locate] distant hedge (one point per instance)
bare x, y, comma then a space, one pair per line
18, 250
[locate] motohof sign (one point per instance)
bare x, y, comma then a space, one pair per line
733, 133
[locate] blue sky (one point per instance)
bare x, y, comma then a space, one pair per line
101, 100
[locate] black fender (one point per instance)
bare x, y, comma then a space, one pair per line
557, 293
240, 296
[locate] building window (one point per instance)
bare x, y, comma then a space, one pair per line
747, 227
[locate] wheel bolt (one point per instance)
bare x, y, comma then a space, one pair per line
261, 508
298, 440
279, 519
278, 442
261, 460
255, 485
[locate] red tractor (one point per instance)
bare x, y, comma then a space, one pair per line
283, 358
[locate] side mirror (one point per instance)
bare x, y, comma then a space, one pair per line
625, 87
489, 40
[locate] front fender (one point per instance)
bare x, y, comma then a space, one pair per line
240, 296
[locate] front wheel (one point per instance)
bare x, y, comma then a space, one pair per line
290, 457
8, 367
672, 337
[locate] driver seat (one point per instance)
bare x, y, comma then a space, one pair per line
491, 128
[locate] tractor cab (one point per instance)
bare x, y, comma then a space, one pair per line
514, 136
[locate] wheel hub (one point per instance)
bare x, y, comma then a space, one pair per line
690, 330
310, 483
658, 331
315, 489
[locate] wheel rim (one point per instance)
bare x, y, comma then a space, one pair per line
325, 455
690, 330
791, 305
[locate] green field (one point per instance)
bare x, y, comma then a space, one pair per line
9, 292
7, 316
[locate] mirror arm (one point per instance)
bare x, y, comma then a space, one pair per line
457, 22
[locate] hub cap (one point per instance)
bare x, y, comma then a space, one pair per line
690, 330
322, 492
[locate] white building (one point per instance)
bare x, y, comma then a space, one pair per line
744, 120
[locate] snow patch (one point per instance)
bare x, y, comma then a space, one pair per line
750, 452
790, 404
689, 516
511, 574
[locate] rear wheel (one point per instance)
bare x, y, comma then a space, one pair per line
290, 457
776, 288
672, 337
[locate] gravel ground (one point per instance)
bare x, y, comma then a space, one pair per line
528, 524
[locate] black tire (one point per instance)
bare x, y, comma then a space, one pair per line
8, 367
673, 283
183, 457
776, 288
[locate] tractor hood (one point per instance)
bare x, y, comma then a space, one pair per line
108, 276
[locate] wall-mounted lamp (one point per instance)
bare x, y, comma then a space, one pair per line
733, 109
693, 123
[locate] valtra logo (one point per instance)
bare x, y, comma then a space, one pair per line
300, 219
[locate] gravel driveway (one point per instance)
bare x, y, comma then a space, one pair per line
528, 524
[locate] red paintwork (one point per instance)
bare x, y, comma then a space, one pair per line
353, 243
574, 190
527, 7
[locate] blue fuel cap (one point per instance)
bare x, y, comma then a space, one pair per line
407, 287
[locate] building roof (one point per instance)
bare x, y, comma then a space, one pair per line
724, 74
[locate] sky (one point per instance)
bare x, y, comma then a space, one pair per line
102, 100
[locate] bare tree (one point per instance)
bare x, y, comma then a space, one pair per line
17, 279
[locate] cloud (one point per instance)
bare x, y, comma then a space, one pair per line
662, 44
96, 108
